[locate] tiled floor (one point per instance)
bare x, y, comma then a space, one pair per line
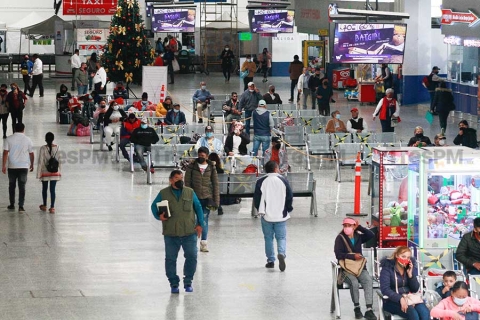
101, 256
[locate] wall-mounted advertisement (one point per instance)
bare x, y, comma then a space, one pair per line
272, 21
91, 40
173, 20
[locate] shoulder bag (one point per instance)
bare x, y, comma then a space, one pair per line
354, 267
412, 298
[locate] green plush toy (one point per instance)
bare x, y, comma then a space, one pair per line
395, 221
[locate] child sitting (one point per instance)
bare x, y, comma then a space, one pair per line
449, 278
458, 306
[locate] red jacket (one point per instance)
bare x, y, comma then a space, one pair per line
139, 106
128, 128
158, 62
387, 104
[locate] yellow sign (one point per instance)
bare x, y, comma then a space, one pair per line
323, 32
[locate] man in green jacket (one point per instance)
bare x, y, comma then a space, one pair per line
180, 229
468, 250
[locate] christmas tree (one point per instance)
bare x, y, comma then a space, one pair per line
127, 48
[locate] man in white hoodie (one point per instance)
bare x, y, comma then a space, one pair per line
273, 199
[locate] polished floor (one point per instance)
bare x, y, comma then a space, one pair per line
101, 256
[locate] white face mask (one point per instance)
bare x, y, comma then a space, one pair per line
251, 90
204, 87
115, 107
441, 142
248, 60
226, 49
389, 99
459, 302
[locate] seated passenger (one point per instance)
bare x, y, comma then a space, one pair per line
278, 154
143, 138
119, 91
356, 124
335, 125
398, 278
236, 141
448, 280
231, 108
112, 122
440, 140
210, 142
419, 140
457, 306
99, 113
201, 99
466, 136
163, 107
128, 126
468, 250
175, 116
63, 97
142, 105
271, 97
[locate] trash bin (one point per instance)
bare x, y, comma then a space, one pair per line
184, 61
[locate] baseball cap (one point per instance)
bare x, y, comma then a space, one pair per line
144, 120
435, 68
349, 221
262, 103
208, 128
354, 110
251, 84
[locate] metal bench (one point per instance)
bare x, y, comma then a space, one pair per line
162, 156
295, 136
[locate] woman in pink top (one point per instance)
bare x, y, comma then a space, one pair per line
458, 306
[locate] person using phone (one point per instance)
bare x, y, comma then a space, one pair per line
355, 235
398, 279
181, 229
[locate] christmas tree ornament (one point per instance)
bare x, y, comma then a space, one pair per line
128, 77
119, 64
139, 41
118, 53
119, 12
138, 27
152, 53
137, 63
130, 4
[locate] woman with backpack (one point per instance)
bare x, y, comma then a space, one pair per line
48, 169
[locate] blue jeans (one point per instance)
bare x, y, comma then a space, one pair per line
139, 150
53, 184
172, 247
206, 214
279, 230
419, 312
248, 115
264, 140
82, 89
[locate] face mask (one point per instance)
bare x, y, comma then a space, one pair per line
273, 90
12, 88
201, 160
459, 302
226, 49
337, 116
277, 146
144, 126
178, 184
251, 90
176, 111
389, 99
204, 87
441, 142
115, 108
234, 99
236, 131
144, 102
325, 83
209, 134
103, 105
348, 230
419, 135
403, 262
307, 72
248, 60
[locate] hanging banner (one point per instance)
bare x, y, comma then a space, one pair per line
92, 35
89, 7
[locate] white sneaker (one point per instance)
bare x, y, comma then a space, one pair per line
203, 246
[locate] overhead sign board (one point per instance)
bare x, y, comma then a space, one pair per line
450, 17
89, 7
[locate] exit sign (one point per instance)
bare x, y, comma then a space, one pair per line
245, 36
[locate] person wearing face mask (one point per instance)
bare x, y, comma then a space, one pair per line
99, 113
262, 127
356, 124
443, 104
231, 108
313, 83
143, 137
142, 105
210, 142
251, 67
278, 154
175, 116
271, 97
112, 122
324, 96
458, 306
181, 229
440, 140
419, 140
249, 101
265, 59
63, 97
468, 250
164, 107
81, 79
128, 126
26, 68
201, 98
433, 82
15, 103
354, 235
302, 86
119, 91
201, 176
466, 136
398, 278
335, 125
295, 69
387, 108
3, 108
227, 58
236, 141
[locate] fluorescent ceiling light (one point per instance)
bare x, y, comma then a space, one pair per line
266, 2
370, 13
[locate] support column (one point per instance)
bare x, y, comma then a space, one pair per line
418, 47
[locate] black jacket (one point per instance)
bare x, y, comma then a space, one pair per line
467, 139
468, 250
423, 139
341, 250
242, 148
314, 82
227, 58
268, 98
145, 137
443, 101
106, 117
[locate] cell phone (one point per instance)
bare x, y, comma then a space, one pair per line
407, 266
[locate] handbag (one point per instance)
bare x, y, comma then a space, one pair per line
243, 74
175, 65
412, 298
354, 267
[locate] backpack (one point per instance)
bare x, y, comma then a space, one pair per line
52, 164
173, 43
251, 168
179, 45
426, 82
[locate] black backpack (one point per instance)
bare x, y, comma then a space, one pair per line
52, 164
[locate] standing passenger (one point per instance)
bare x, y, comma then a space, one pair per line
45, 172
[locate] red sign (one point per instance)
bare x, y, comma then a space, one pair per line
89, 7
90, 47
449, 17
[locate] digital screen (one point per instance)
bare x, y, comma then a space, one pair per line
173, 20
272, 21
369, 43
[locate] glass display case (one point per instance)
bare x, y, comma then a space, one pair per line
443, 195
389, 195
